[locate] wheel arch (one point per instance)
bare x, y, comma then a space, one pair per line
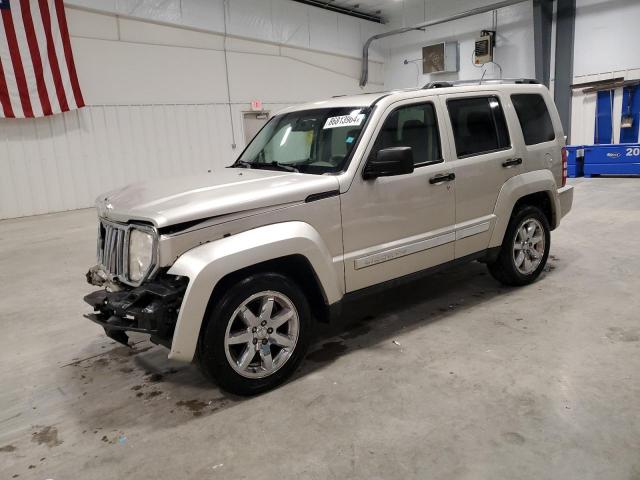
291, 248
537, 188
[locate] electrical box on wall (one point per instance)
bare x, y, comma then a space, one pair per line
440, 58
483, 52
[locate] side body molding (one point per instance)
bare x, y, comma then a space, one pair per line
518, 187
207, 264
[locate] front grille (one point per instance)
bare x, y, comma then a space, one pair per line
112, 248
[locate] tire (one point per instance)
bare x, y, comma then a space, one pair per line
241, 321
510, 268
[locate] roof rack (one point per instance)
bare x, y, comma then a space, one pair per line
460, 83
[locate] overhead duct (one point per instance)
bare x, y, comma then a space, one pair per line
364, 75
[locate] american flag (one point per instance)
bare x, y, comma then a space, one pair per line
37, 73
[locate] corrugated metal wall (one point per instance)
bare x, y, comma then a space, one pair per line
65, 161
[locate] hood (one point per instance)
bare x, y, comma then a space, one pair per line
170, 201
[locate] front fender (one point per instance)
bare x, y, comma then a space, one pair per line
207, 264
514, 189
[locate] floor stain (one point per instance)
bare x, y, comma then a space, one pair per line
152, 394
46, 436
617, 334
514, 437
355, 332
155, 377
8, 448
194, 406
100, 362
327, 352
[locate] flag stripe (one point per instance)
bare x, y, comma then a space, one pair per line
66, 42
25, 57
4, 95
35, 56
53, 58
18, 69
41, 39
59, 48
9, 76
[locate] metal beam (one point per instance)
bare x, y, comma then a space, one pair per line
542, 22
565, 34
364, 75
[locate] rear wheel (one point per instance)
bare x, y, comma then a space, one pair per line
525, 248
256, 335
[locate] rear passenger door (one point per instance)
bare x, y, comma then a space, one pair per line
484, 159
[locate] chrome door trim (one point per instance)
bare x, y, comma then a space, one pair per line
404, 250
472, 230
420, 244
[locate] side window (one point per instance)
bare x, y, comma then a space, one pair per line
414, 126
534, 118
478, 125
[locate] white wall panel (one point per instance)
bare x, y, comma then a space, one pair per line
64, 162
95, 25
248, 18
323, 31
288, 81
156, 10
277, 21
290, 23
607, 36
125, 73
204, 14
155, 34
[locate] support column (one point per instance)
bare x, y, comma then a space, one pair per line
542, 26
565, 34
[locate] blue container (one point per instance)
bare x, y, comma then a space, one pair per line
622, 159
575, 161
572, 153
575, 170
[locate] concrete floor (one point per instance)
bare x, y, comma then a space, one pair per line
449, 377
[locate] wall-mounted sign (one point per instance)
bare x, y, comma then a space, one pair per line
256, 105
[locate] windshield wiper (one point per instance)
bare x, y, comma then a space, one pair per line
241, 164
281, 166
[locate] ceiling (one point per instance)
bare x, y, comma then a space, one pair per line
374, 8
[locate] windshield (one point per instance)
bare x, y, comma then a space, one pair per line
310, 141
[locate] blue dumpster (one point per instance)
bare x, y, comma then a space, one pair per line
622, 159
575, 162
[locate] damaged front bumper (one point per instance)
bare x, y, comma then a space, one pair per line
151, 308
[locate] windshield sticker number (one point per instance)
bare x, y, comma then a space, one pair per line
344, 121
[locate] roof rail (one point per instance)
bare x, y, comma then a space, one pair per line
460, 83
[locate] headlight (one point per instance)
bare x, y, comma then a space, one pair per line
140, 254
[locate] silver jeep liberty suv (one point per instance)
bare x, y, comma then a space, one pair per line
231, 268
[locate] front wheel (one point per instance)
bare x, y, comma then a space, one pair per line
525, 248
256, 335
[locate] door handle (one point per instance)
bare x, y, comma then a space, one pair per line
446, 177
512, 162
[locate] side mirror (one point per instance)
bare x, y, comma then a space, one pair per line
389, 162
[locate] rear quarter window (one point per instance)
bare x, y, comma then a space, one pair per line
534, 118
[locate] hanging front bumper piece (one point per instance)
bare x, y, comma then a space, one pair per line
151, 308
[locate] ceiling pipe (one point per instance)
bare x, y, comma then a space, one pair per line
364, 72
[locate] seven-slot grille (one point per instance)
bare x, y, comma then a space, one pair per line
112, 247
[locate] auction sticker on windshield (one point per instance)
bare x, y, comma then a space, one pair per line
344, 121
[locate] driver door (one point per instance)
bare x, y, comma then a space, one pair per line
395, 226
